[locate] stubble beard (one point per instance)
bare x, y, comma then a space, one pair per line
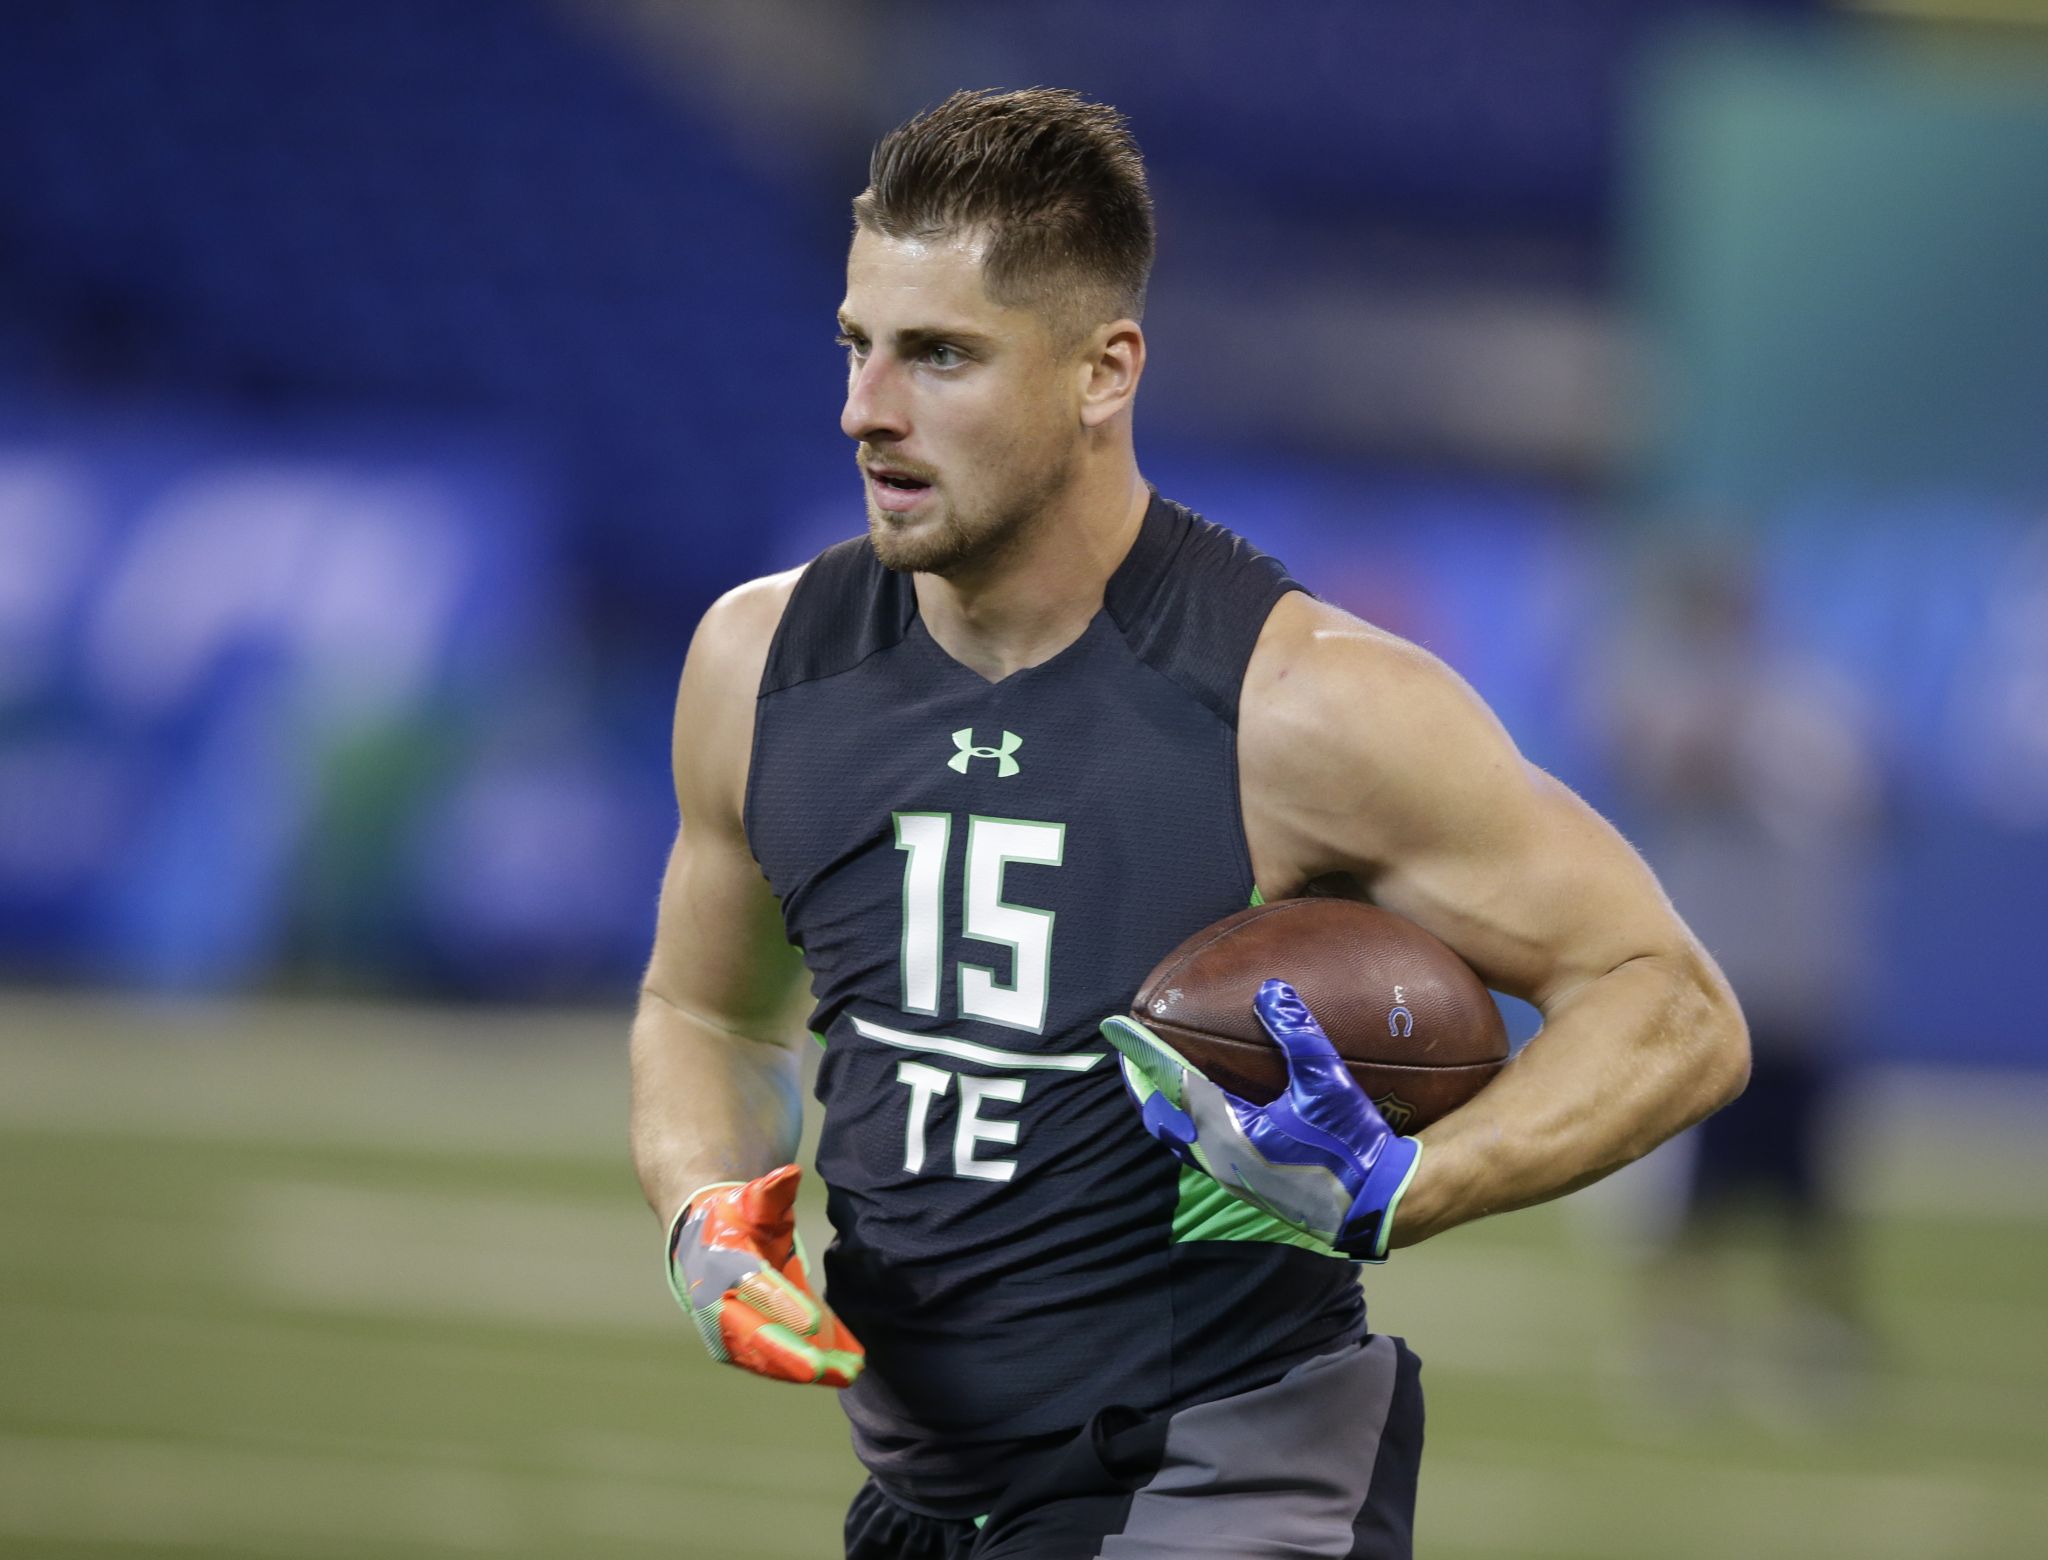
969, 542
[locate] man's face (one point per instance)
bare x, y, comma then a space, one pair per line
966, 412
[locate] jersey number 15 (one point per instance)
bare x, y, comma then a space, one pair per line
992, 844
1019, 1003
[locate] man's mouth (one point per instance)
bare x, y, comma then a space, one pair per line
900, 481
897, 491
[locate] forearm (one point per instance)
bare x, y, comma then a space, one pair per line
1621, 1064
708, 1104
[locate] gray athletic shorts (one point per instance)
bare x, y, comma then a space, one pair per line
1322, 1462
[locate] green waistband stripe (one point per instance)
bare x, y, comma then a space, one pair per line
1206, 1211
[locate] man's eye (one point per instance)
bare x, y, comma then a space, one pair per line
942, 355
857, 345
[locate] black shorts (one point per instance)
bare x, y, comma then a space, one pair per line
1327, 1454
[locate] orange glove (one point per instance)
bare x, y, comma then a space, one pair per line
737, 1267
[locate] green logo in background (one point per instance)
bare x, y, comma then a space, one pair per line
1006, 766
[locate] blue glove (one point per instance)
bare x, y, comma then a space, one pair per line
1320, 1157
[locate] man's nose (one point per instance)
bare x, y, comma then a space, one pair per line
874, 403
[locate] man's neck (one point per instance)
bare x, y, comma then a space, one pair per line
1035, 600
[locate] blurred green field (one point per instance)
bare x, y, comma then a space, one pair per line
320, 1281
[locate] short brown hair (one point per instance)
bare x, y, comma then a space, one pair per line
1055, 180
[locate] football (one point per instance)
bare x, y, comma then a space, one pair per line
1415, 1026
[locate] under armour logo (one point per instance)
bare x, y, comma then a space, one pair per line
1006, 766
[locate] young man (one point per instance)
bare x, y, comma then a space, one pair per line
984, 767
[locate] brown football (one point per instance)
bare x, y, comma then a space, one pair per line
1415, 1026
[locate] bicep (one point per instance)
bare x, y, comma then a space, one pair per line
1529, 884
720, 953
1381, 764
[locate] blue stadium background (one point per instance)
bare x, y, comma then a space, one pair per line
385, 388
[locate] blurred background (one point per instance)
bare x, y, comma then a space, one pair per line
1678, 371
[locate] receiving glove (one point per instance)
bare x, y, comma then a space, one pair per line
737, 1267
1320, 1157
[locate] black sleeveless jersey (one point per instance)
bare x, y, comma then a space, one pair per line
977, 873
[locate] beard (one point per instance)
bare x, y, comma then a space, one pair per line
966, 539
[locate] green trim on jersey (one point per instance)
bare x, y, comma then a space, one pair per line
1257, 897
1206, 1211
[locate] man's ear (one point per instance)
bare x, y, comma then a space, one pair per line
1112, 363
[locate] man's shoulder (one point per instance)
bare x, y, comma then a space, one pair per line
738, 628
834, 613
1329, 691
1352, 729
1310, 651
714, 712
1191, 600
1183, 562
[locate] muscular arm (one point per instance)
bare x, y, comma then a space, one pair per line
1362, 755
715, 1092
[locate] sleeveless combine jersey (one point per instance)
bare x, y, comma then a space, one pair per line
977, 873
